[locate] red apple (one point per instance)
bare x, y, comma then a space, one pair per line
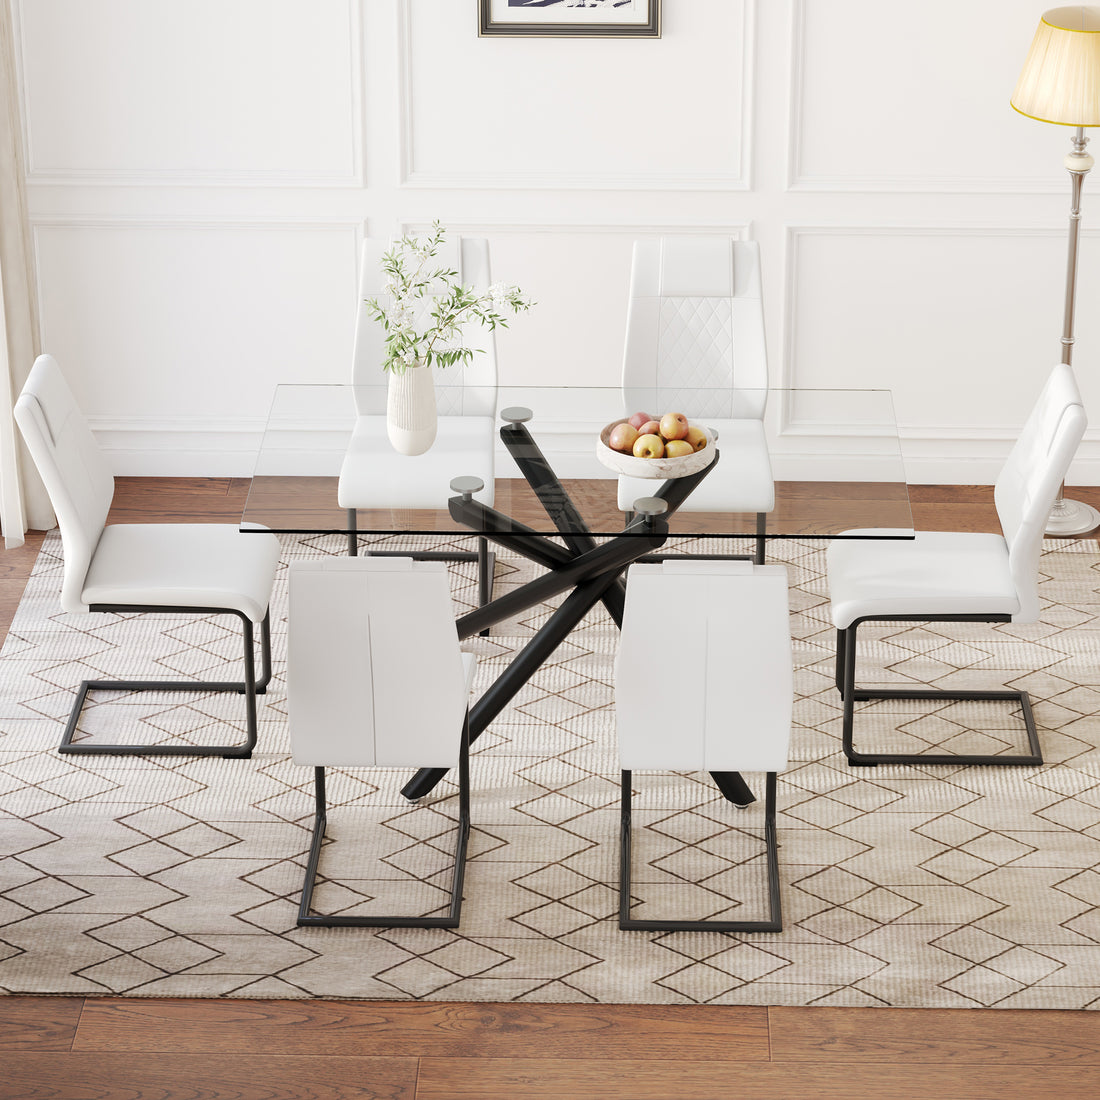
696, 437
650, 427
622, 438
674, 426
677, 448
649, 446
638, 419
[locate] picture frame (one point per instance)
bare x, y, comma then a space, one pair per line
570, 18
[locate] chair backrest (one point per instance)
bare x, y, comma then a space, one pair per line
460, 390
1028, 483
72, 467
696, 319
374, 670
715, 694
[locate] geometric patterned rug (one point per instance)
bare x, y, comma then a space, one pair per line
902, 886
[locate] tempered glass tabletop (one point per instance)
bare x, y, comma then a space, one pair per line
834, 457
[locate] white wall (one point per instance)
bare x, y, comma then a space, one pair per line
200, 176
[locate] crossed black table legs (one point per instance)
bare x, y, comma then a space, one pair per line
594, 571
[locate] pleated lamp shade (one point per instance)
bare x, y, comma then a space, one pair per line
1060, 81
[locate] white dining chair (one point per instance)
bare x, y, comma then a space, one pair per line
717, 699
696, 320
959, 576
194, 568
373, 474
375, 678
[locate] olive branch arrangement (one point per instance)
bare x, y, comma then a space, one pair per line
411, 277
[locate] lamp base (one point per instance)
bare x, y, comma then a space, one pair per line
1071, 517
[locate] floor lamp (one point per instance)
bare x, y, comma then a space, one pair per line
1060, 83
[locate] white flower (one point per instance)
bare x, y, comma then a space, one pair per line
403, 306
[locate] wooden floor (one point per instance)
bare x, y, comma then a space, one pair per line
110, 1048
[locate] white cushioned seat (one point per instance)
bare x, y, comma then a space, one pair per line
939, 572
374, 475
183, 565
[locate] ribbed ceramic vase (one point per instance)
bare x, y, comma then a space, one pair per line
410, 410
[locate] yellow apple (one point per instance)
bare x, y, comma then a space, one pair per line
649, 446
674, 426
696, 437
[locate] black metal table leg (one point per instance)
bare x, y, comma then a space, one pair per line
557, 503
734, 788
552, 633
612, 557
594, 571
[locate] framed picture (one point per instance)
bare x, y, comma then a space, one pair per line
571, 18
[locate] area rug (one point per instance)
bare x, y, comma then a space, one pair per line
901, 886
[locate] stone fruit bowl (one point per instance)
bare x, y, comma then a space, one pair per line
662, 468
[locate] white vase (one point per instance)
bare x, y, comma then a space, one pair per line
410, 410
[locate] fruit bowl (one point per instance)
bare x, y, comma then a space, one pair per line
662, 468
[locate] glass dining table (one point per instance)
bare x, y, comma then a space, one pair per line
785, 464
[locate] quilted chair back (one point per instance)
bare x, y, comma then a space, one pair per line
460, 390
696, 320
77, 478
1028, 483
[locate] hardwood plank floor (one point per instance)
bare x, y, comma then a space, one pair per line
209, 1076
38, 1023
958, 1036
107, 1048
549, 1079
400, 1029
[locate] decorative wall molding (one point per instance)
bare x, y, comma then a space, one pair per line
740, 230
413, 178
70, 177
180, 221
800, 180
196, 221
795, 231
932, 455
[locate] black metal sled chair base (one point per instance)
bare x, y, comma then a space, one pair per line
308, 919
850, 695
774, 923
250, 687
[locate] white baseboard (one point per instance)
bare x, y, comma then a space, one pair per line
229, 449
178, 449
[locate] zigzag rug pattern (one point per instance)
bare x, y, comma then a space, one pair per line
902, 886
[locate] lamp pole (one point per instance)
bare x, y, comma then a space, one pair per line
1072, 517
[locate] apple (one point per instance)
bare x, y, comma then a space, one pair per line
649, 446
674, 426
696, 437
622, 438
650, 427
677, 448
638, 419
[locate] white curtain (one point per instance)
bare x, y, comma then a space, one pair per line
23, 500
